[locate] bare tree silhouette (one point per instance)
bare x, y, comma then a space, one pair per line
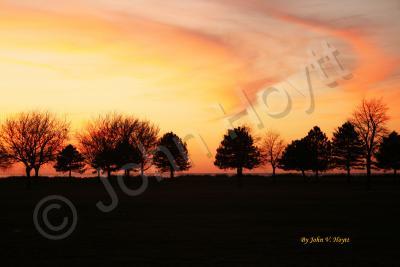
271, 149
108, 142
33, 138
146, 137
369, 119
5, 159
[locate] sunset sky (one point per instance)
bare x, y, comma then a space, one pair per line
189, 66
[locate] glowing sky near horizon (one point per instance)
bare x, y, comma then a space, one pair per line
174, 62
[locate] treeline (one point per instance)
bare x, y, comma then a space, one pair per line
116, 142
109, 143
363, 142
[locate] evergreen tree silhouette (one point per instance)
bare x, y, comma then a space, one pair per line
238, 151
171, 154
319, 148
347, 148
70, 160
126, 153
388, 154
296, 157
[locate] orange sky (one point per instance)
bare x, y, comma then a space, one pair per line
178, 62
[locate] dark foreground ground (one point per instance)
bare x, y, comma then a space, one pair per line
207, 221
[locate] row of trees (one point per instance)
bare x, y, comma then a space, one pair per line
362, 142
110, 143
117, 142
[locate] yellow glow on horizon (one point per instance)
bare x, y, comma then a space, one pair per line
82, 62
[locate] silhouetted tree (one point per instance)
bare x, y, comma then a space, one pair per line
70, 160
369, 120
104, 159
33, 138
319, 148
347, 148
272, 148
296, 156
146, 137
102, 142
125, 153
125, 147
171, 154
5, 160
238, 151
97, 143
388, 154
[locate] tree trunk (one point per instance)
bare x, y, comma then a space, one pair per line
304, 175
70, 173
108, 173
317, 174
37, 172
369, 171
273, 174
239, 175
28, 177
28, 172
348, 175
171, 172
127, 174
142, 169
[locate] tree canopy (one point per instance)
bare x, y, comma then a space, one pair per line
369, 120
70, 160
146, 137
271, 148
238, 151
319, 149
388, 154
296, 157
171, 154
108, 142
5, 159
347, 148
33, 139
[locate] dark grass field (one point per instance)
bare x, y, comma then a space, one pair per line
208, 221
